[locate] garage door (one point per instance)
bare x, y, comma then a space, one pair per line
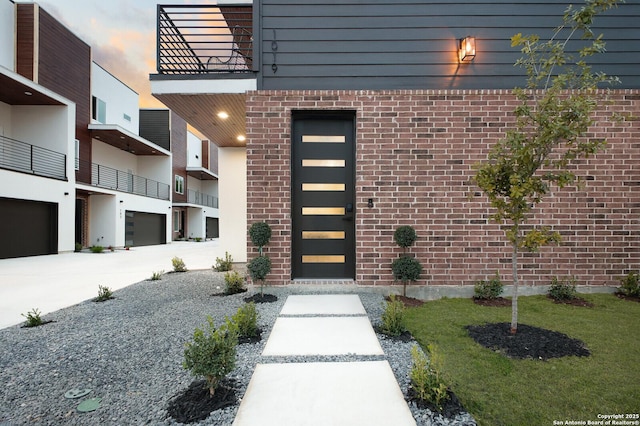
145, 229
28, 228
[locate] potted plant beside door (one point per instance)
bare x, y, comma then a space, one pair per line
259, 267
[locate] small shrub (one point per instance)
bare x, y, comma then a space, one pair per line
96, 249
564, 289
198, 239
234, 283
78, 247
405, 236
630, 284
224, 265
246, 320
393, 320
488, 290
426, 380
155, 276
260, 234
212, 353
33, 318
104, 293
178, 265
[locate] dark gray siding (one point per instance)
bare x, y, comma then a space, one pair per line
154, 127
407, 44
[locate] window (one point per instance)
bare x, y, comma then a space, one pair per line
176, 221
98, 110
179, 184
77, 154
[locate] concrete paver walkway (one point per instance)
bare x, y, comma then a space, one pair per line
323, 393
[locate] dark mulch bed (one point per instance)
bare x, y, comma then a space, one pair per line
261, 298
244, 290
195, 404
450, 409
409, 302
528, 342
576, 301
254, 339
404, 337
625, 297
498, 301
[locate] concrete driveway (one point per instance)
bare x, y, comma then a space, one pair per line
52, 282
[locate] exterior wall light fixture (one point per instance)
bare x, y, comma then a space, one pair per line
467, 49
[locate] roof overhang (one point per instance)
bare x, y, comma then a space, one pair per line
201, 173
199, 100
18, 90
123, 139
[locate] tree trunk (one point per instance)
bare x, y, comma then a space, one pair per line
514, 299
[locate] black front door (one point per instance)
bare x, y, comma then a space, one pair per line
323, 216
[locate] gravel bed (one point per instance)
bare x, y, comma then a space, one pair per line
129, 352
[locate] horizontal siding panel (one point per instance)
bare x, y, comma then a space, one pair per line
324, 44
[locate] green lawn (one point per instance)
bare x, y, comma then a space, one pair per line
497, 390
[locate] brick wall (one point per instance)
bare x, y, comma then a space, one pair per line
415, 152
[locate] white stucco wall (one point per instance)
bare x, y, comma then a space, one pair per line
102, 220
155, 167
196, 223
120, 99
7, 29
107, 155
194, 150
233, 202
44, 126
5, 119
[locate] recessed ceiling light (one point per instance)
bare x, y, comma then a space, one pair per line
241, 138
223, 115
28, 93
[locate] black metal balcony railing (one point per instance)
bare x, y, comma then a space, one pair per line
195, 197
26, 158
118, 180
195, 39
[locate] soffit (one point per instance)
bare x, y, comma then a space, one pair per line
201, 112
120, 139
13, 93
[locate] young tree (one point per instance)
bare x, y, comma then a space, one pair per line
554, 112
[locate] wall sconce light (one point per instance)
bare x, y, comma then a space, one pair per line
370, 203
121, 201
66, 193
467, 49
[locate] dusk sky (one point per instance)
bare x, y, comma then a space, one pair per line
121, 33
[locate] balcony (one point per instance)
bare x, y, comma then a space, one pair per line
25, 158
118, 180
198, 39
200, 199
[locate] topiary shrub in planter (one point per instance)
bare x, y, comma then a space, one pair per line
259, 267
212, 353
260, 234
406, 268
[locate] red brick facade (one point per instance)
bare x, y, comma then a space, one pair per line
415, 152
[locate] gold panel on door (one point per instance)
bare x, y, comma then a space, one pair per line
323, 163
323, 235
323, 211
323, 187
323, 139
330, 258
